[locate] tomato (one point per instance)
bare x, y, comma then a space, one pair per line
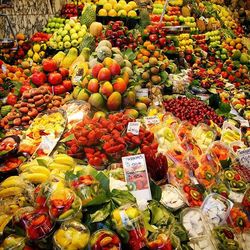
67, 85
38, 78
59, 89
49, 65
55, 78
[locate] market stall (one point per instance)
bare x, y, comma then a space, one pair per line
125, 125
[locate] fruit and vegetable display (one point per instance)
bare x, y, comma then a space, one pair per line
125, 125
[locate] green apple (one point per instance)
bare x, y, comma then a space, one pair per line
72, 23
57, 25
61, 25
72, 31
81, 33
67, 45
67, 21
66, 38
60, 45
53, 45
52, 25
64, 33
74, 36
62, 20
77, 27
67, 27
74, 43
59, 39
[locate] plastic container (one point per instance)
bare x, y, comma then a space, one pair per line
194, 222
104, 238
230, 133
201, 243
160, 240
13, 242
64, 204
128, 218
216, 209
184, 131
172, 198
9, 146
71, 235
179, 175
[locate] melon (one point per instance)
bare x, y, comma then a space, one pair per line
103, 52
95, 29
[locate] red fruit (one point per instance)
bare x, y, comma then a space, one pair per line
115, 69
188, 58
104, 75
24, 88
49, 65
93, 85
11, 99
64, 72
153, 37
96, 69
38, 78
55, 78
231, 78
67, 85
59, 89
162, 41
224, 74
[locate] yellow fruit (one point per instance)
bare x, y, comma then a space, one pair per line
35, 178
113, 2
102, 12
133, 4
238, 40
107, 6
127, 8
228, 40
64, 159
112, 13
132, 13
122, 13
36, 57
132, 212
232, 43
118, 7
36, 48
10, 191
238, 46
122, 3
30, 53
12, 181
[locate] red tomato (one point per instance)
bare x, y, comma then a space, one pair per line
59, 89
55, 78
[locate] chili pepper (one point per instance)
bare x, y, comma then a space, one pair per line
89, 150
136, 140
113, 149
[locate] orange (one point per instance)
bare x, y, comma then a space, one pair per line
21, 79
145, 52
20, 36
10, 74
18, 73
151, 47
232, 43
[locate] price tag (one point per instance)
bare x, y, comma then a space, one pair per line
77, 78
152, 120
142, 92
4, 68
244, 157
136, 176
134, 128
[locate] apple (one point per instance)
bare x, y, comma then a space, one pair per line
96, 69
115, 69
104, 75
64, 72
59, 89
49, 65
55, 78
67, 85
38, 78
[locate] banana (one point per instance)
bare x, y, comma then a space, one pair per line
35, 178
64, 159
39, 169
59, 166
11, 181
4, 220
10, 191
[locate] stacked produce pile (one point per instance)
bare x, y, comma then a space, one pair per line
118, 132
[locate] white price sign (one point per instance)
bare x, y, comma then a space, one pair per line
4, 68
136, 176
244, 157
142, 92
152, 120
77, 78
134, 128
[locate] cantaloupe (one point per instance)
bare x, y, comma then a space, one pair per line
95, 29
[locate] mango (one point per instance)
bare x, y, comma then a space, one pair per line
141, 106
129, 99
99, 114
107, 89
96, 100
114, 101
83, 95
132, 113
76, 91
145, 100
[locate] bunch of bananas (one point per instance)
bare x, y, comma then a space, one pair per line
41, 169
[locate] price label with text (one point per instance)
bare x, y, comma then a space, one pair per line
152, 120
142, 92
136, 176
134, 128
244, 157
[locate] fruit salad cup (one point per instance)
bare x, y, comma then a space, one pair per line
86, 187
104, 239
64, 204
13, 242
179, 175
205, 175
159, 241
193, 196
128, 221
71, 235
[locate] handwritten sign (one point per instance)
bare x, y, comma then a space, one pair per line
152, 120
136, 176
142, 92
134, 128
244, 157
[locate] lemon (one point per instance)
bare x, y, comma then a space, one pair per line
42, 54
127, 8
112, 13
30, 53
133, 4
122, 13
107, 6
122, 2
36, 57
113, 2
102, 12
118, 7
36, 48
102, 2
228, 40
132, 13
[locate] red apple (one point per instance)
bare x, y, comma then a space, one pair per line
67, 85
59, 89
38, 78
115, 69
96, 69
64, 72
93, 85
55, 78
11, 99
49, 65
104, 75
